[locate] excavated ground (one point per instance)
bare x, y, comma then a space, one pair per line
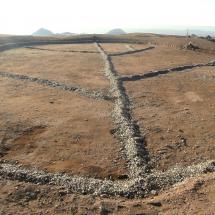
57, 131
146, 128
176, 114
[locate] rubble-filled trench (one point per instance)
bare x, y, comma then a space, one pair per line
142, 178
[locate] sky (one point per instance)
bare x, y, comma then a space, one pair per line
98, 16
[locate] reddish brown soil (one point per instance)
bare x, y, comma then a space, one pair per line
158, 58
57, 130
195, 196
61, 131
84, 69
176, 113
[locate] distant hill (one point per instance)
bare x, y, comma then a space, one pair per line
116, 31
42, 32
67, 33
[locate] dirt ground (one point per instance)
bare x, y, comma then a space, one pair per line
70, 47
60, 131
139, 46
82, 143
157, 59
115, 47
111, 48
173, 41
85, 70
194, 196
176, 113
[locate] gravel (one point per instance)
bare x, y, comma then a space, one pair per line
127, 131
136, 187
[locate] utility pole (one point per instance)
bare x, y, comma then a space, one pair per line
187, 32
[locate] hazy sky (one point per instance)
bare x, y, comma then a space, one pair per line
26, 16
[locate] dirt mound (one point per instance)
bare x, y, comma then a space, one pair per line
191, 46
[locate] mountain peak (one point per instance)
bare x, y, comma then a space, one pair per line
42, 32
116, 31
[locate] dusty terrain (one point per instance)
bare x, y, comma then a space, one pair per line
176, 114
157, 59
64, 67
116, 47
195, 196
31, 114
85, 128
70, 47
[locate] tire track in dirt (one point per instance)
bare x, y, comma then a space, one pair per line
57, 85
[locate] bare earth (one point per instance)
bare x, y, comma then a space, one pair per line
176, 113
158, 58
195, 196
115, 47
44, 127
82, 142
71, 47
65, 67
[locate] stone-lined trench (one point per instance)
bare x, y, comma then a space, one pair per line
142, 179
